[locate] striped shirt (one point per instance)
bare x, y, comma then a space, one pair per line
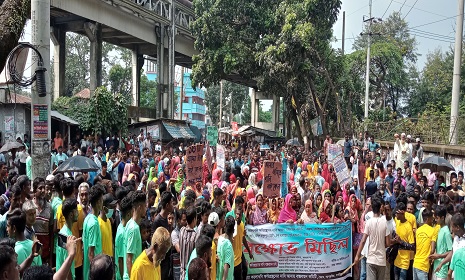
187, 239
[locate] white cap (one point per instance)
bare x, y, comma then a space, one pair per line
409, 136
402, 135
417, 140
50, 177
213, 219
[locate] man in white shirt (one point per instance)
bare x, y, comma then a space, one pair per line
375, 228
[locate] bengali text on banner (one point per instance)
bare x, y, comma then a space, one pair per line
294, 251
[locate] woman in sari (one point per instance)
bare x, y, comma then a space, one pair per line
152, 175
351, 211
318, 200
179, 180
288, 214
273, 211
325, 215
326, 197
216, 177
259, 214
309, 216
251, 183
298, 174
326, 174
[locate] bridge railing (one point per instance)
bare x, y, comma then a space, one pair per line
431, 129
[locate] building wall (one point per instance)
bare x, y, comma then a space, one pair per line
21, 118
193, 106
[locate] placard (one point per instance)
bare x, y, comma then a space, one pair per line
220, 157
212, 135
342, 172
40, 121
295, 251
334, 150
9, 124
194, 156
272, 178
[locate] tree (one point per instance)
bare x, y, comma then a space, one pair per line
148, 92
264, 116
13, 17
239, 95
119, 79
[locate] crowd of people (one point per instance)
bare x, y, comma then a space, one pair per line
138, 212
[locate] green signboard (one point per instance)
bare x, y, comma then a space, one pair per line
212, 135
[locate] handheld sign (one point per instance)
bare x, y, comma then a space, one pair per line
272, 179
194, 172
212, 135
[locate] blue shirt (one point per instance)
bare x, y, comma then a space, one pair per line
373, 146
391, 199
347, 148
390, 181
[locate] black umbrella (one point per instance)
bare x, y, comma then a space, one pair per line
78, 164
436, 163
10, 146
293, 142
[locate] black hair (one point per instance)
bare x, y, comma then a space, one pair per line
40, 272
37, 181
17, 219
67, 186
197, 269
15, 190
440, 211
401, 206
138, 197
121, 192
219, 211
165, 198
68, 206
101, 268
426, 214
7, 255
429, 196
151, 193
402, 197
162, 187
205, 207
457, 220
208, 230
104, 163
218, 192
202, 245
190, 194
239, 200
229, 225
22, 181
144, 224
95, 193
191, 214
376, 205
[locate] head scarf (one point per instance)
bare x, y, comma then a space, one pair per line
216, 176
250, 196
273, 215
325, 186
259, 215
251, 180
287, 213
297, 175
179, 180
325, 173
308, 218
321, 209
161, 177
152, 178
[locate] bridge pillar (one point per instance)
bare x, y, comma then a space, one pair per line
255, 97
163, 100
58, 36
94, 33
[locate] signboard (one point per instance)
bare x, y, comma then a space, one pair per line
317, 128
334, 150
40, 121
9, 124
209, 157
234, 126
220, 157
212, 134
272, 178
194, 156
154, 131
288, 251
342, 172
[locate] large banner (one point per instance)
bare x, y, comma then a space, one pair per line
212, 135
291, 251
334, 150
194, 173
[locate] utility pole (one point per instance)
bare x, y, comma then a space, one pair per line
367, 76
343, 30
230, 109
181, 93
40, 106
454, 112
221, 103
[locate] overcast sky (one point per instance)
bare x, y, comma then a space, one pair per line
432, 22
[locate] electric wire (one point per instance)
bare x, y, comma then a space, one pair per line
15, 75
410, 9
387, 9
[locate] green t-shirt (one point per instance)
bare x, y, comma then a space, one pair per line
91, 237
443, 244
133, 242
24, 249
225, 254
62, 254
458, 264
120, 249
193, 256
56, 201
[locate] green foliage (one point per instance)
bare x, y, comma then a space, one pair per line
264, 116
119, 79
148, 92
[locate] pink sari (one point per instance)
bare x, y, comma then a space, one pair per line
287, 213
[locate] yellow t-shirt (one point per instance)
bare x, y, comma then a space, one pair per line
424, 236
237, 244
77, 228
405, 232
107, 237
143, 269
367, 174
213, 260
